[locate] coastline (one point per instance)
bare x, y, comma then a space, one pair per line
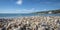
31, 23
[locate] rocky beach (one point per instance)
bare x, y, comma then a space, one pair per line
31, 23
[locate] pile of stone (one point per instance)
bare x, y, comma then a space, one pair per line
31, 23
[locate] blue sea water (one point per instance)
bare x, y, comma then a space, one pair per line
18, 15
15, 15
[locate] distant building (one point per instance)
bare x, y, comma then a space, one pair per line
49, 12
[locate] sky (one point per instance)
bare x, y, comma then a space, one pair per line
28, 6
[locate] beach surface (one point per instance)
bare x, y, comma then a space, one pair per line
31, 23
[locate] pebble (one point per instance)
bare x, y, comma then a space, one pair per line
31, 23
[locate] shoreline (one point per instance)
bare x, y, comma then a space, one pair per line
22, 16
31, 23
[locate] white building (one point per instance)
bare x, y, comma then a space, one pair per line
49, 12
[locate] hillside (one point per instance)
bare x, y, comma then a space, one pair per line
48, 12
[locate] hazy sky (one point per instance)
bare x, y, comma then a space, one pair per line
27, 6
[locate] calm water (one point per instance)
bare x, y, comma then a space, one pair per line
18, 15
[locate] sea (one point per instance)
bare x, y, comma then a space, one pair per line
12, 15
